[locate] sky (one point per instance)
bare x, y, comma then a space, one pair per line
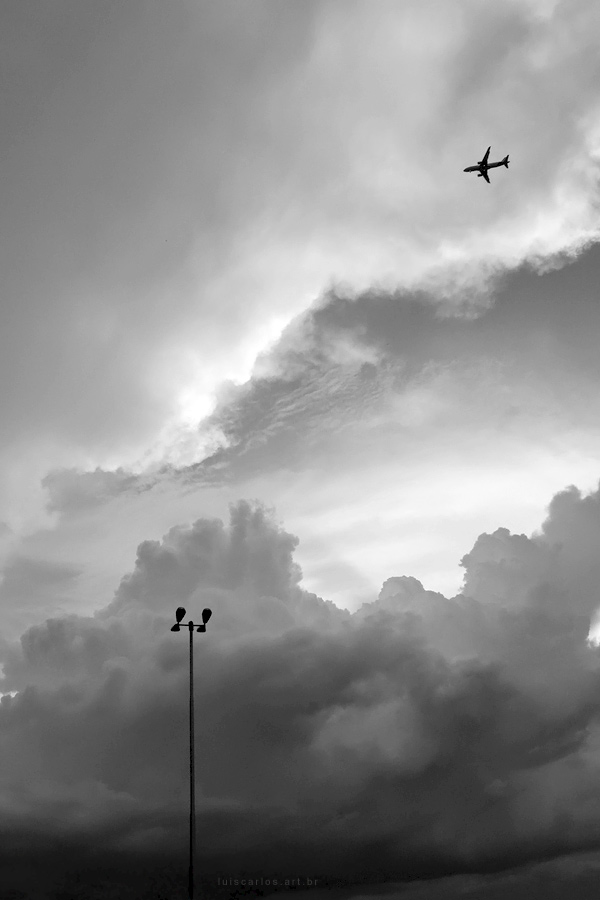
266, 348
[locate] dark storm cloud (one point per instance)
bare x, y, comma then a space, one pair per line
170, 176
577, 875
421, 735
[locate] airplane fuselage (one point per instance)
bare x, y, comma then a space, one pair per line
481, 167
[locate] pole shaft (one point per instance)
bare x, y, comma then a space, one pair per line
192, 779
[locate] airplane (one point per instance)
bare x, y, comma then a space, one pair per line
483, 165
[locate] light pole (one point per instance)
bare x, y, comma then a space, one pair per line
179, 614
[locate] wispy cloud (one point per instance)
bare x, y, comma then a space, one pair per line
192, 182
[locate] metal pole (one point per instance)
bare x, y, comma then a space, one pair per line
192, 782
179, 614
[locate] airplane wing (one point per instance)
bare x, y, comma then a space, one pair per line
485, 158
485, 175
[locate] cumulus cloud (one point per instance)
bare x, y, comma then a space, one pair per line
437, 426
185, 185
420, 735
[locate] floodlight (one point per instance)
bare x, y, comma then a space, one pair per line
179, 614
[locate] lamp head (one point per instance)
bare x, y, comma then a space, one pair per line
179, 614
206, 614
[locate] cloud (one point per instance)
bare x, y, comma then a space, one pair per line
420, 735
445, 423
29, 583
395, 451
198, 180
72, 491
149, 260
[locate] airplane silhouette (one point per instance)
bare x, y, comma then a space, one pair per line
483, 165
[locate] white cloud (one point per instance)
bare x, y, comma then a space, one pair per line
191, 202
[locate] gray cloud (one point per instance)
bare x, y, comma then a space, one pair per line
420, 735
70, 491
337, 370
177, 187
364, 391
30, 583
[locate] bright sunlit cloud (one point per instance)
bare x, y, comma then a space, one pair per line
187, 226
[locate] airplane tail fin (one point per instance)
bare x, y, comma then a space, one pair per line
505, 161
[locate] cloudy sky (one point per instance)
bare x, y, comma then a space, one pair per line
266, 348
